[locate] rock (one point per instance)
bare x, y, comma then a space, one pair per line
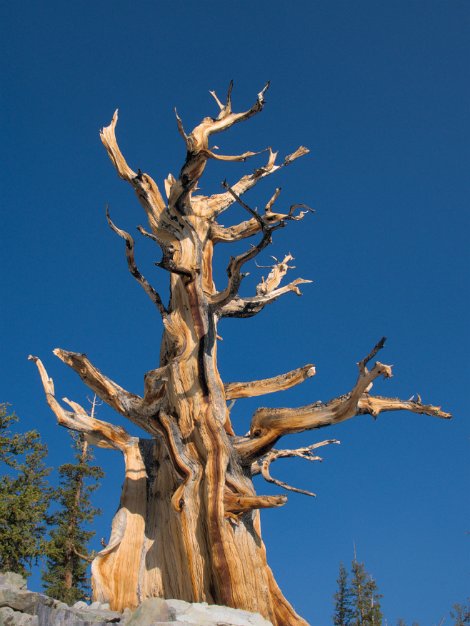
80, 605
149, 613
212, 615
10, 579
24, 601
178, 606
9, 617
20, 607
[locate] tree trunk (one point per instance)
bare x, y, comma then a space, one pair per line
188, 525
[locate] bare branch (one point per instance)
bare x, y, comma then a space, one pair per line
235, 503
219, 233
217, 203
263, 465
277, 273
145, 187
247, 307
225, 157
133, 269
181, 128
234, 268
96, 431
226, 108
269, 385
138, 410
268, 425
378, 346
373, 405
226, 118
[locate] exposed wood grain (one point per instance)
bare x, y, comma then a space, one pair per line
188, 523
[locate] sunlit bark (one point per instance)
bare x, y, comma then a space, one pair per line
188, 523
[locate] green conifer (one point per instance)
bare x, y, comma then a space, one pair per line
67, 556
461, 614
365, 597
24, 496
343, 614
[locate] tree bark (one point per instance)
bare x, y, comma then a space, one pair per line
188, 525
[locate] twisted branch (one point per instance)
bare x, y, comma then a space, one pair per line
263, 465
268, 425
97, 432
133, 269
138, 410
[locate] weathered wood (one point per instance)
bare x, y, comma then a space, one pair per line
188, 524
269, 385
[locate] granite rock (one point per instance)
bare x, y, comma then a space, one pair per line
20, 607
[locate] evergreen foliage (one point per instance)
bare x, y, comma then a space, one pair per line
365, 597
24, 496
461, 614
343, 608
357, 603
65, 577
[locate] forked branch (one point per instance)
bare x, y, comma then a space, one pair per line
247, 307
268, 425
263, 465
96, 431
229, 295
138, 410
145, 187
198, 152
217, 203
248, 228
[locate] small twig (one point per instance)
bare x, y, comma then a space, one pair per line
251, 211
378, 346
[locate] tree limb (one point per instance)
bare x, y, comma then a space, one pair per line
138, 410
235, 503
263, 465
247, 307
198, 152
234, 269
133, 269
269, 385
97, 432
268, 425
145, 187
217, 203
226, 118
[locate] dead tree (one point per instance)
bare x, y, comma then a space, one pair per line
188, 525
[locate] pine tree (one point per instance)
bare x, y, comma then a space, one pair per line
365, 597
343, 614
24, 496
461, 614
67, 560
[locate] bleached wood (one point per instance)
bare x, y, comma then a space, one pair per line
188, 523
269, 385
96, 431
268, 425
130, 405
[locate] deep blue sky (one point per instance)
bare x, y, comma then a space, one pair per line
379, 92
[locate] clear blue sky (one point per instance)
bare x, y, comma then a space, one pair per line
379, 92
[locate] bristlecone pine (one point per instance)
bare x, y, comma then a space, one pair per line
188, 524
